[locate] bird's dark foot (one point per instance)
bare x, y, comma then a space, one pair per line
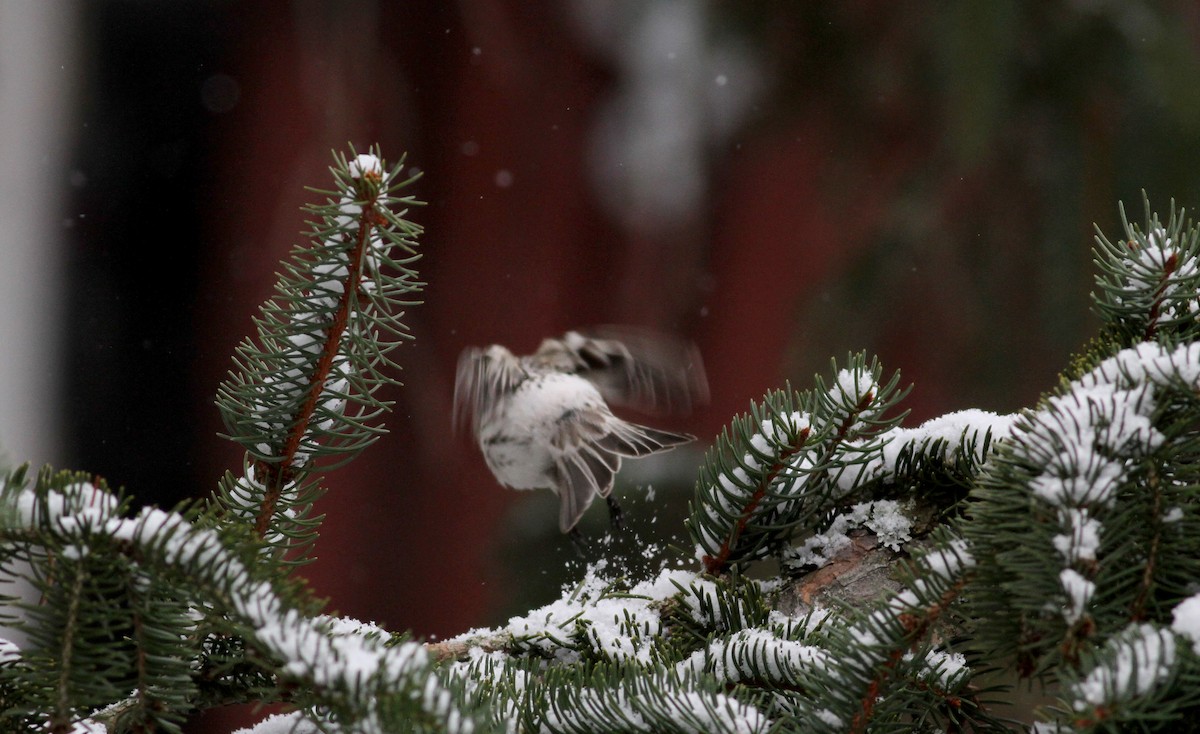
578, 542
616, 517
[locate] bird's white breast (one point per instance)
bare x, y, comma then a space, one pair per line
517, 435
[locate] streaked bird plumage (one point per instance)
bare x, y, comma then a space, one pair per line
543, 420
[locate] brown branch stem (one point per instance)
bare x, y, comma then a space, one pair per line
716, 563
277, 475
916, 627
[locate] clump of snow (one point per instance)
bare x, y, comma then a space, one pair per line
1082, 541
854, 395
616, 622
645, 707
1148, 362
947, 562
1079, 591
790, 628
1157, 268
77, 505
367, 165
292, 723
945, 434
889, 523
943, 669
1142, 656
830, 718
883, 517
751, 654
9, 652
1186, 620
87, 726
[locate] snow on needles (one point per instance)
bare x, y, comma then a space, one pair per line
366, 164
942, 437
599, 617
1084, 444
340, 654
639, 704
1186, 621
616, 623
1157, 268
883, 517
1137, 660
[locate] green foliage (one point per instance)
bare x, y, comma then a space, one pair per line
853, 576
1148, 281
302, 396
136, 622
787, 461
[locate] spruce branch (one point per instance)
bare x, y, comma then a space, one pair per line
1149, 281
348, 671
790, 459
302, 397
1078, 481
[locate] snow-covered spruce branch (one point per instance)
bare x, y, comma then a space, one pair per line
613, 656
346, 671
1149, 281
779, 466
782, 470
302, 395
1101, 479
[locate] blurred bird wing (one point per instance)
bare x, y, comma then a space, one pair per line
583, 468
633, 440
631, 367
482, 378
582, 476
588, 446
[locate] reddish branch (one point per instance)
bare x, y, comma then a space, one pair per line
916, 627
715, 564
1156, 308
278, 474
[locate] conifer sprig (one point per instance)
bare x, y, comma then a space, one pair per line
1101, 479
302, 396
1149, 281
777, 468
111, 621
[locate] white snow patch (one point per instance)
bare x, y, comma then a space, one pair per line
1079, 591
293, 723
1143, 656
365, 164
883, 517
1186, 620
949, 561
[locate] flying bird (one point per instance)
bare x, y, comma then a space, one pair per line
543, 420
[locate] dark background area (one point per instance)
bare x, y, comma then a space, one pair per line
779, 181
